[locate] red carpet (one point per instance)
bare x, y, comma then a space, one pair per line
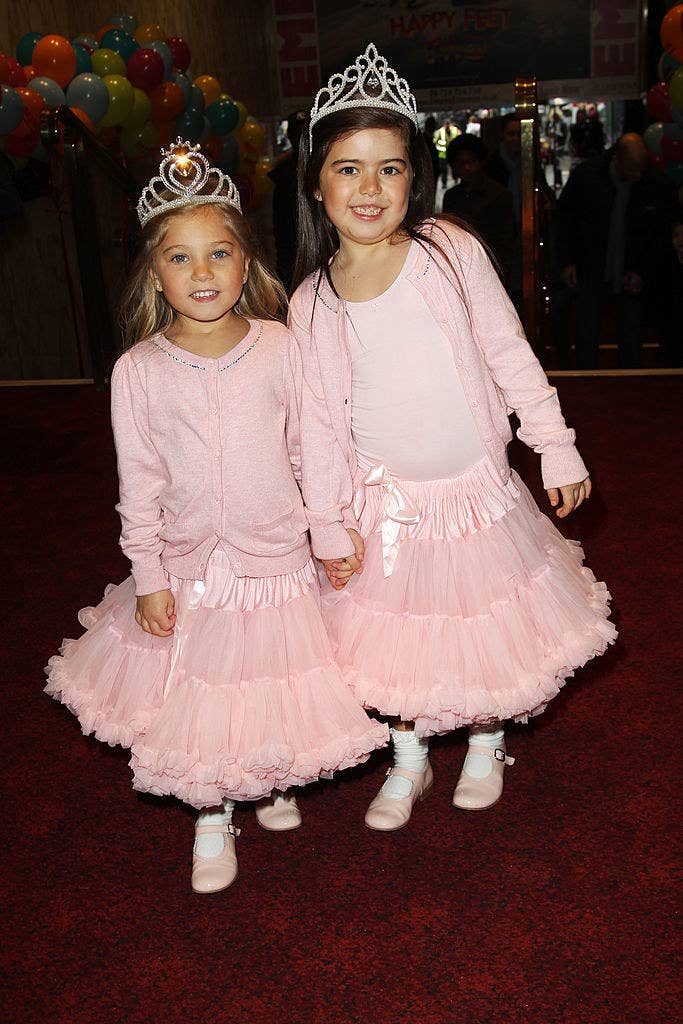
555, 906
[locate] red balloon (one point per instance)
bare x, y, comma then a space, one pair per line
105, 28
26, 136
22, 141
82, 116
5, 73
167, 101
180, 51
16, 73
659, 102
657, 161
165, 131
213, 147
33, 102
29, 72
672, 149
145, 69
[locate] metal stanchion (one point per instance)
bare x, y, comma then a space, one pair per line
526, 107
75, 139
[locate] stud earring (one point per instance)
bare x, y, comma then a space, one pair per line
318, 196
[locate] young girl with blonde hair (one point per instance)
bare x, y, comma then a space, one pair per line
211, 661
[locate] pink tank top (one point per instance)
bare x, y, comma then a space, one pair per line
408, 407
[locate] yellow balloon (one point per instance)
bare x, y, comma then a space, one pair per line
139, 112
107, 62
243, 114
676, 89
210, 87
148, 32
120, 100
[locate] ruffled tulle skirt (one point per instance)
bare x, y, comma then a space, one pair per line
486, 611
244, 697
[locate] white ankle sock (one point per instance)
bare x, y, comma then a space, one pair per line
478, 766
211, 845
487, 735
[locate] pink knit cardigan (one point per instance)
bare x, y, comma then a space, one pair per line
499, 372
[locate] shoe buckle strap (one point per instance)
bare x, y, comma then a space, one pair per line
207, 830
502, 756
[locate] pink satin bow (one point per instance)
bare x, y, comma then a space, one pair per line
399, 510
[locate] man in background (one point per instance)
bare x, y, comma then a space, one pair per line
611, 227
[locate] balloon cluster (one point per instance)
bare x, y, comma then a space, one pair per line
129, 83
664, 138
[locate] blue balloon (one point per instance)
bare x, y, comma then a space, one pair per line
26, 45
196, 100
52, 93
669, 65
89, 93
674, 170
120, 42
11, 110
190, 125
206, 130
184, 83
164, 52
653, 138
223, 115
128, 22
83, 60
85, 40
673, 131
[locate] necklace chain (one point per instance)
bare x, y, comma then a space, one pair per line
196, 366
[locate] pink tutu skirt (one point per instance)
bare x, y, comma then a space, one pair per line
478, 612
244, 697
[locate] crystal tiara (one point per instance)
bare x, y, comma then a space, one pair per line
185, 171
370, 82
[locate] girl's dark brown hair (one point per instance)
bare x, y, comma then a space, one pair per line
144, 311
318, 238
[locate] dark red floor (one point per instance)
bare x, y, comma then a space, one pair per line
558, 905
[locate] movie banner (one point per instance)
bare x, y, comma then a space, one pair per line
468, 54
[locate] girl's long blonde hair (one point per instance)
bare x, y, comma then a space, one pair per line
145, 311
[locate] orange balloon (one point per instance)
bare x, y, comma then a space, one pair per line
167, 101
210, 87
54, 57
29, 71
33, 101
148, 33
165, 132
671, 32
82, 116
105, 28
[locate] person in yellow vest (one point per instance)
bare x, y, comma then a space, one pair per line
442, 136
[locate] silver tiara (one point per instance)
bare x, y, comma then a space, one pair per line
185, 171
370, 82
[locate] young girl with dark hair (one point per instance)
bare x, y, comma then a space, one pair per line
211, 661
452, 600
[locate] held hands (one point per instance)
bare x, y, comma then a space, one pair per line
155, 613
572, 496
340, 570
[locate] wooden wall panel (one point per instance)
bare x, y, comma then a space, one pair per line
231, 39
